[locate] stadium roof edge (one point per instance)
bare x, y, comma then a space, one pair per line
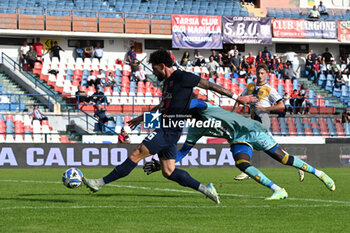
11, 32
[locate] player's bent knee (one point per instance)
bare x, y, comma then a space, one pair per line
167, 172
140, 152
242, 164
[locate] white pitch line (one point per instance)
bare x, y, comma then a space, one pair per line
184, 191
168, 206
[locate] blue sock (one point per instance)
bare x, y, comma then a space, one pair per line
120, 171
257, 175
184, 179
298, 163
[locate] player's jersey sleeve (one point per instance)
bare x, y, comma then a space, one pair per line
189, 79
274, 96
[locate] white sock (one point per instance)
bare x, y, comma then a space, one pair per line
100, 181
318, 173
275, 187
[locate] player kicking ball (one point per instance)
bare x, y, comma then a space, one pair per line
244, 135
176, 98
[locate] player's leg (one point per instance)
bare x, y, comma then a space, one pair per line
242, 154
167, 158
121, 170
153, 143
282, 156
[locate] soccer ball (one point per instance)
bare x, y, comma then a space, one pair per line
72, 178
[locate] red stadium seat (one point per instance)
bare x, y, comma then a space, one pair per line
78, 72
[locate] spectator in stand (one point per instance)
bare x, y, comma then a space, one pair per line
274, 65
288, 106
343, 57
131, 55
289, 73
23, 53
266, 53
245, 64
123, 137
290, 55
282, 65
100, 114
199, 60
314, 14
37, 114
322, 9
326, 56
251, 58
55, 50
98, 51
339, 81
332, 68
98, 98
226, 59
31, 57
236, 62
294, 97
233, 50
215, 55
172, 56
92, 79
88, 49
313, 55
220, 61
345, 117
212, 65
315, 72
79, 51
101, 78
308, 64
141, 75
259, 58
185, 60
300, 102
110, 80
134, 66
82, 97
39, 48
347, 69
252, 70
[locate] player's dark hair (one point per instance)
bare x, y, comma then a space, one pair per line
161, 56
262, 66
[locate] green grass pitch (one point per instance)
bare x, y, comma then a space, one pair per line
35, 200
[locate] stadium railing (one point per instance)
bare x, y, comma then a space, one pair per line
91, 121
5, 59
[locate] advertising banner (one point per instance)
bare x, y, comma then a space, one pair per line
344, 31
243, 30
300, 28
109, 155
329, 4
196, 31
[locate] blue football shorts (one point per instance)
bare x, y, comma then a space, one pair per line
163, 142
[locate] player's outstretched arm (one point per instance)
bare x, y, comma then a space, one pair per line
133, 123
205, 84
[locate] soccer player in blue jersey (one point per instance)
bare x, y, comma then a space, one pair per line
176, 98
244, 135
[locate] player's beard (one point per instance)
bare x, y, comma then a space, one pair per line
160, 77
